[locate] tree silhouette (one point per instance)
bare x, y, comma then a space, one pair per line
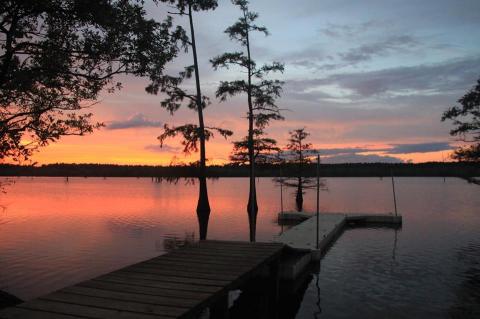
466, 118
194, 136
266, 149
57, 56
298, 154
261, 92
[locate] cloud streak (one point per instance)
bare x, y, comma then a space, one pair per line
138, 120
360, 158
335, 30
391, 150
419, 148
416, 80
163, 149
368, 51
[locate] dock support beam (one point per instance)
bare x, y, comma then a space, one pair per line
274, 289
220, 309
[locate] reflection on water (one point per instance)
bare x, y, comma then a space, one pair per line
428, 269
172, 242
467, 294
300, 185
54, 234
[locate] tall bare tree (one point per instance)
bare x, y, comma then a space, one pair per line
261, 91
194, 135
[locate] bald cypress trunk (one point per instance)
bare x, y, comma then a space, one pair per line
203, 205
252, 208
299, 196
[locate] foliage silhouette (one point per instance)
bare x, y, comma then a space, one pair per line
266, 149
57, 56
466, 118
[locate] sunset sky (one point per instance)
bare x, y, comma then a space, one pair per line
368, 79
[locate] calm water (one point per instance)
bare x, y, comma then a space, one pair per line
53, 234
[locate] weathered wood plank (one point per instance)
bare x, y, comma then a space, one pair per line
170, 279
235, 249
135, 280
152, 291
256, 246
114, 304
17, 313
244, 260
213, 255
187, 273
207, 260
84, 311
213, 268
208, 269
226, 251
241, 243
132, 296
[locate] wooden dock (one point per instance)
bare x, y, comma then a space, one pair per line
303, 236
179, 284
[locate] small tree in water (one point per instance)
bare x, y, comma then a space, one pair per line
466, 118
261, 92
299, 153
194, 135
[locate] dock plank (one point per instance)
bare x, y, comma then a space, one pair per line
189, 265
206, 260
174, 285
136, 280
114, 304
132, 296
141, 290
16, 313
174, 281
186, 273
151, 273
40, 306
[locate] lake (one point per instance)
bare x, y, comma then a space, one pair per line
55, 233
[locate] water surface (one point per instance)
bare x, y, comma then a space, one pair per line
54, 233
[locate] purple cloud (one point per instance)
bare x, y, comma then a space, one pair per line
138, 120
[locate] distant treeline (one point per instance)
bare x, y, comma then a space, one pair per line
326, 170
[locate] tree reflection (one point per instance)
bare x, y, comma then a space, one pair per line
203, 219
172, 242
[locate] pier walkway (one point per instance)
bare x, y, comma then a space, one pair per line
330, 225
179, 284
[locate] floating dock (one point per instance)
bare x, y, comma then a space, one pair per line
302, 238
179, 284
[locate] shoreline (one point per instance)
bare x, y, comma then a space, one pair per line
433, 169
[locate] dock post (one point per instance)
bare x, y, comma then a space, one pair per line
394, 196
318, 195
281, 196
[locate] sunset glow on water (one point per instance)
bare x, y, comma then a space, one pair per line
54, 234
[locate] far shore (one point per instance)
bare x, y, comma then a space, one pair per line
431, 169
